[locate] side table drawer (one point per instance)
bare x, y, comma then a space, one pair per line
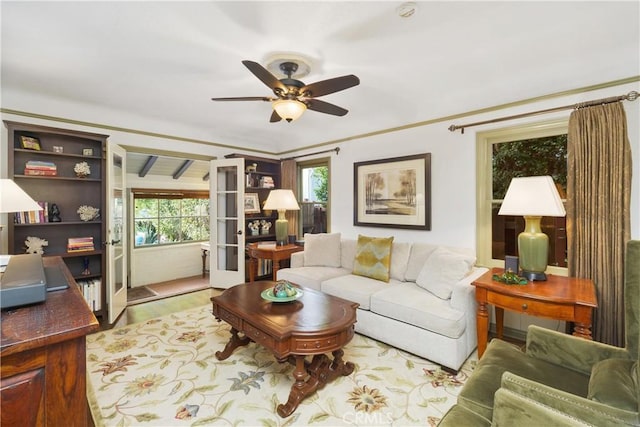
258, 336
534, 308
314, 344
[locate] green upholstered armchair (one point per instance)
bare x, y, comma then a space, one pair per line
559, 380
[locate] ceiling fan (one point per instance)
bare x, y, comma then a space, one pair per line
293, 97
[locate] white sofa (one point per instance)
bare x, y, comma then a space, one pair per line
438, 324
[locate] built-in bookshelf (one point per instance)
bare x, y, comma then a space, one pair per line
50, 165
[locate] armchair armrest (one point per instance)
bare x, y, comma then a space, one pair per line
523, 402
297, 260
572, 352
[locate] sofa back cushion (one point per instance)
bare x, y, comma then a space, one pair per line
614, 382
348, 254
442, 270
322, 250
373, 257
399, 260
418, 256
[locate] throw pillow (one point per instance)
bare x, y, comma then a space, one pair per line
322, 250
373, 257
612, 383
442, 270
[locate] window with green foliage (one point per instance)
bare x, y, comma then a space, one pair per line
170, 218
502, 154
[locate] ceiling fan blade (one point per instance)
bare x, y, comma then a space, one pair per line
325, 107
265, 76
246, 98
325, 87
275, 117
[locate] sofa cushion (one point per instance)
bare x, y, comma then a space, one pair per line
322, 250
418, 256
614, 383
411, 304
355, 288
348, 253
442, 270
310, 277
373, 257
399, 259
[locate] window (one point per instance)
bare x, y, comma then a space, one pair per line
530, 150
163, 218
313, 192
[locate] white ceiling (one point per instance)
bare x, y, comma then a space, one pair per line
165, 60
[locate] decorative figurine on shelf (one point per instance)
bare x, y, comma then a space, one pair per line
88, 213
254, 227
82, 169
266, 225
85, 265
54, 213
252, 167
35, 244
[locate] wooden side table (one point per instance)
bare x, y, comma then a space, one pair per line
561, 298
275, 253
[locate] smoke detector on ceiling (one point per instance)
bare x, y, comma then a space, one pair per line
407, 9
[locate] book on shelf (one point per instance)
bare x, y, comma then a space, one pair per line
91, 292
32, 217
80, 244
40, 168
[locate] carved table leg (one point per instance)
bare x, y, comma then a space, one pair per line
234, 342
320, 371
482, 326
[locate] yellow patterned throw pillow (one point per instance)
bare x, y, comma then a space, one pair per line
373, 257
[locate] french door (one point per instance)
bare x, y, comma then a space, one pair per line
115, 243
227, 241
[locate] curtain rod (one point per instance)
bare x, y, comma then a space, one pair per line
337, 150
631, 96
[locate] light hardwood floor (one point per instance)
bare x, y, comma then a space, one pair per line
149, 310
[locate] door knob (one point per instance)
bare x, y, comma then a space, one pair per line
239, 232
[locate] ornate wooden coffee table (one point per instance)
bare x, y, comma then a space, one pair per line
314, 324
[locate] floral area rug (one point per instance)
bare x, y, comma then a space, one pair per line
163, 372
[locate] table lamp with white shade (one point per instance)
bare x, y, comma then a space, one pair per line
281, 201
14, 199
532, 197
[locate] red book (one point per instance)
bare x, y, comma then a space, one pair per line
40, 172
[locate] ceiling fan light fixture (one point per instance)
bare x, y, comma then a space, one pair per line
289, 109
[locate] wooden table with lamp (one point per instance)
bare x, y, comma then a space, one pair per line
272, 251
561, 298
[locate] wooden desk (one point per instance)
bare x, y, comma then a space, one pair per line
275, 254
43, 359
561, 298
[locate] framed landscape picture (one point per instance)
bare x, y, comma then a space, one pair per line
251, 203
393, 193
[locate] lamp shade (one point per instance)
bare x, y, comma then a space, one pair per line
281, 200
14, 199
289, 109
532, 196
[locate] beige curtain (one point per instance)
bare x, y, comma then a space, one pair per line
289, 176
598, 219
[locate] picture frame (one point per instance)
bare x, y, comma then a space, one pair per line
251, 203
30, 143
87, 151
393, 193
